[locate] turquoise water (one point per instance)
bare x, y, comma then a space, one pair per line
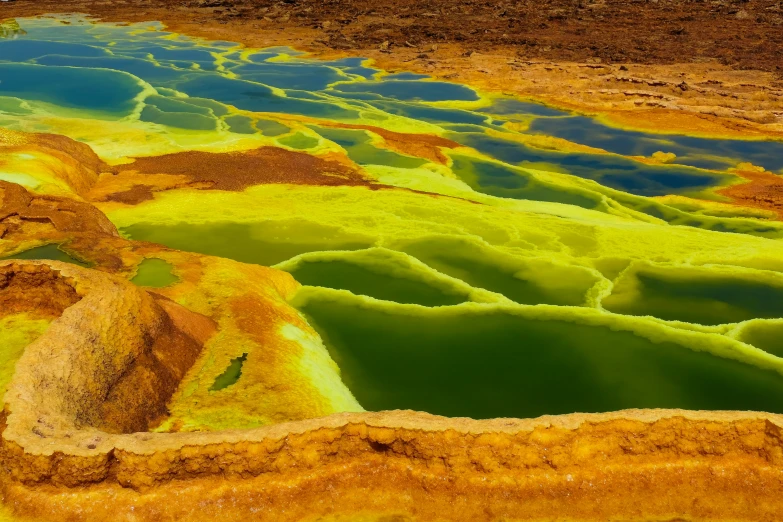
689, 150
610, 171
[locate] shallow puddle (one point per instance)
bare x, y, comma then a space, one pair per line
266, 243
50, 252
522, 281
154, 273
695, 297
231, 375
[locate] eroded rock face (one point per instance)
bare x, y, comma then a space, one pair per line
20, 209
109, 362
634, 465
34, 288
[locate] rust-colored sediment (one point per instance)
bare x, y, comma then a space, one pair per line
223, 171
38, 290
239, 170
762, 190
235, 171
425, 146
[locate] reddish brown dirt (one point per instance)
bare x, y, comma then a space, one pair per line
155, 374
137, 181
41, 291
763, 190
236, 171
742, 33
239, 170
422, 145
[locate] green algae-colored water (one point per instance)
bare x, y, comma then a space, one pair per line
519, 281
51, 252
705, 300
503, 290
765, 335
363, 281
485, 364
231, 375
154, 273
266, 243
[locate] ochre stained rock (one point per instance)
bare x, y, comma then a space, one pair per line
73, 163
19, 207
35, 289
631, 465
762, 190
137, 181
110, 361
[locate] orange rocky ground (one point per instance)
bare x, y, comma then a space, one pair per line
763, 190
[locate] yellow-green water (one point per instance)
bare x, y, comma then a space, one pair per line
154, 273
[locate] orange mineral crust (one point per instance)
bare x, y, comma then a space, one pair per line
762, 190
425, 146
70, 161
137, 181
629, 465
